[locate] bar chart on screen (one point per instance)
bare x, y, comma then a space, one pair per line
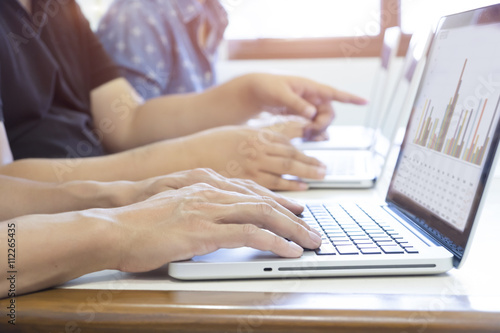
461, 141
454, 119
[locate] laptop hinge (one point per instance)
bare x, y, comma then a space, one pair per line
394, 209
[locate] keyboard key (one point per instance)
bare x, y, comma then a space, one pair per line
326, 249
347, 250
363, 237
335, 233
375, 232
411, 250
376, 237
370, 227
387, 241
370, 250
366, 245
392, 249
332, 229
342, 243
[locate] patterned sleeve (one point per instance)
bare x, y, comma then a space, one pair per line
133, 34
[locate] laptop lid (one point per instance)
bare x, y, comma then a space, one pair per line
382, 87
452, 136
396, 113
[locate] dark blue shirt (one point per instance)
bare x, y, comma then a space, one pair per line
156, 43
50, 61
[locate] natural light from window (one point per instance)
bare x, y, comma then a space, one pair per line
417, 13
253, 19
94, 10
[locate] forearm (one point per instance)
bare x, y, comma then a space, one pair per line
47, 250
186, 114
24, 197
175, 116
105, 168
136, 164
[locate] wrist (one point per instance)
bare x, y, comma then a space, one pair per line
80, 195
101, 238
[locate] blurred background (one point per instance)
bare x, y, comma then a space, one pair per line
333, 41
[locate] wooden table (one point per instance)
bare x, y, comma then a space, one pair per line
418, 304
61, 310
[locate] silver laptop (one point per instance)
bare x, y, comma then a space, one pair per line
360, 168
360, 137
427, 223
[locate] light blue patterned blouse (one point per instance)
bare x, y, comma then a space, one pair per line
155, 43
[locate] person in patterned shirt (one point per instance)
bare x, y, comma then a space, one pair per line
164, 46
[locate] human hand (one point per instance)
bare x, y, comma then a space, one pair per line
122, 193
262, 155
199, 219
294, 95
182, 179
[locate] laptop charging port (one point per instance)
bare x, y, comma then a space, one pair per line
268, 269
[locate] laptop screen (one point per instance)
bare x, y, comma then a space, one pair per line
453, 131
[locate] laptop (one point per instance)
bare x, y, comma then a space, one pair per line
360, 168
360, 137
437, 190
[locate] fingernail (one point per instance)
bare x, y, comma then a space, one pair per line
296, 249
316, 232
315, 238
310, 111
295, 202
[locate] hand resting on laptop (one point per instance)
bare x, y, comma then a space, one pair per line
200, 213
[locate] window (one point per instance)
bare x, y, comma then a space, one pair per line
263, 29
427, 12
307, 28
303, 19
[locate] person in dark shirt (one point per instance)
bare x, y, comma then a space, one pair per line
63, 98
60, 97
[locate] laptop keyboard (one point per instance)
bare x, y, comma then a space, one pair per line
350, 230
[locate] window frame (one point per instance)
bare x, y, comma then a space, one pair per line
334, 47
